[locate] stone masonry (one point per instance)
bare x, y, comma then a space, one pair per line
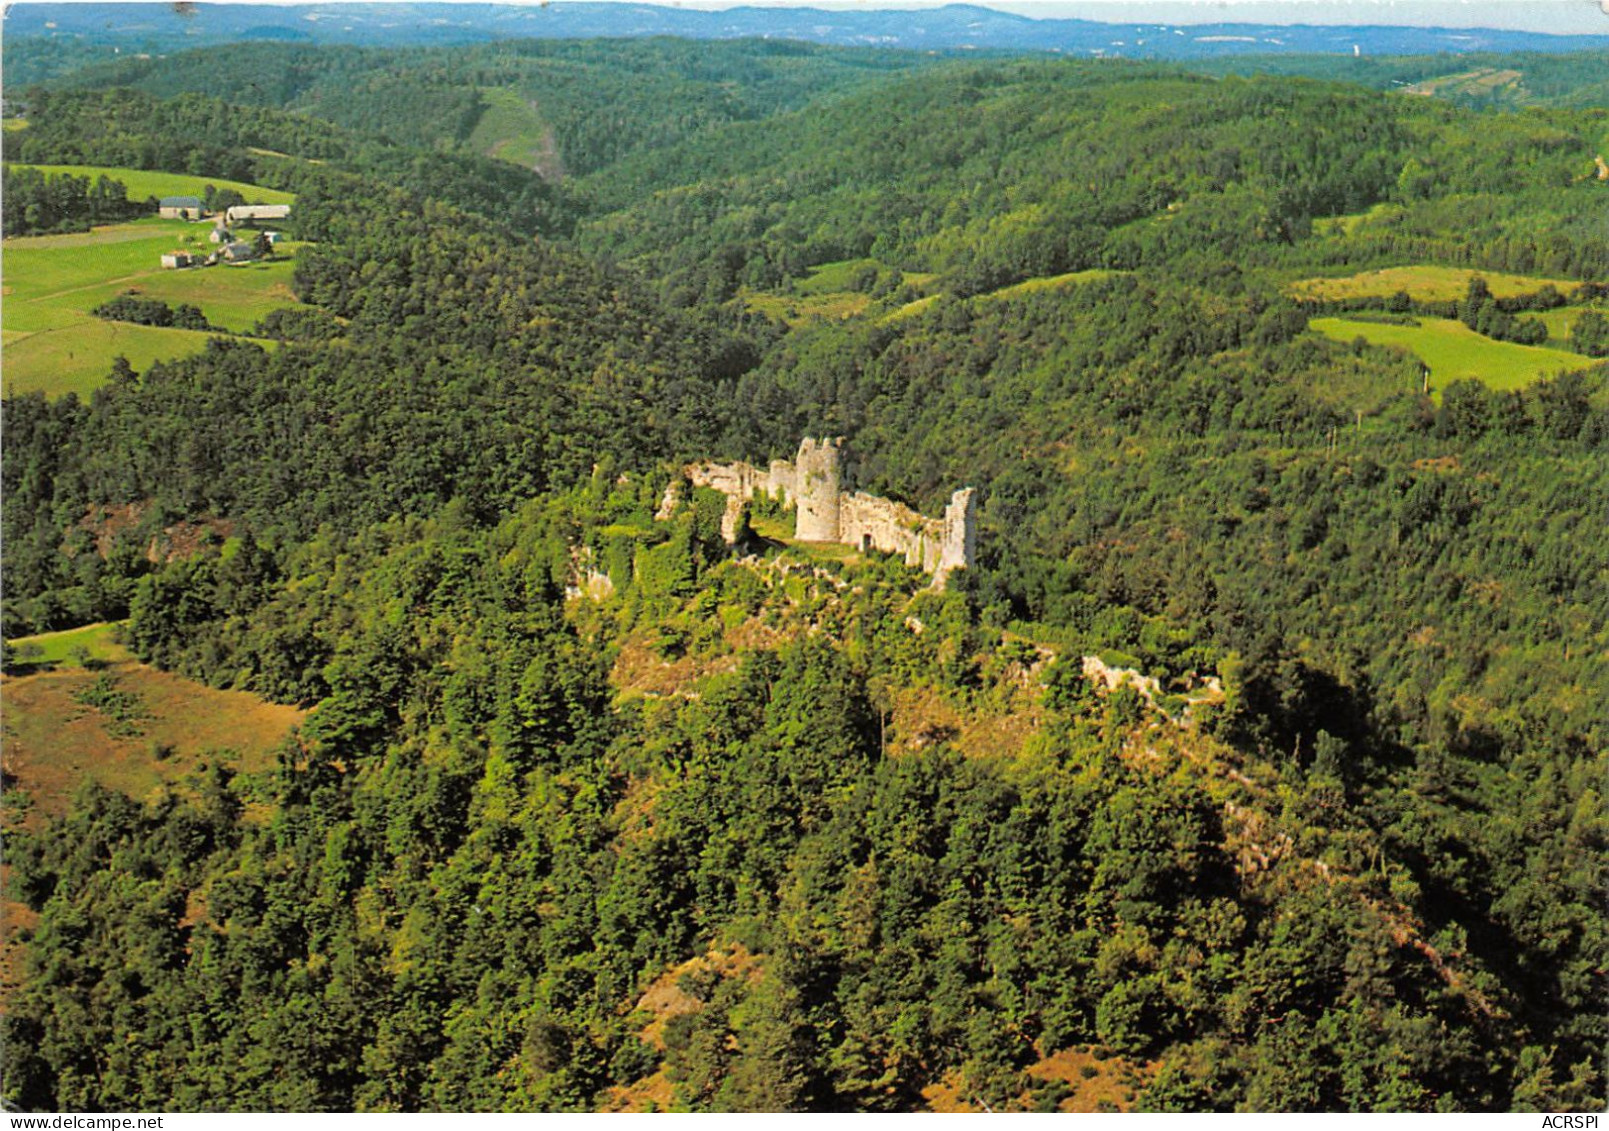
817, 484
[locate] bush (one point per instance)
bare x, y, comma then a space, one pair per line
153, 312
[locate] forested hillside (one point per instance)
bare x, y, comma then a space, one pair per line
597, 100
593, 810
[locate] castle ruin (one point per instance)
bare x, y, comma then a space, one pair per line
818, 486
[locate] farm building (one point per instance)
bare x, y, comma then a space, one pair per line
221, 235
239, 252
180, 208
177, 259
246, 213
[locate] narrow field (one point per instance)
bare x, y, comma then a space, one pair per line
1453, 351
798, 309
1427, 284
910, 309
58, 647
1559, 322
1051, 282
78, 358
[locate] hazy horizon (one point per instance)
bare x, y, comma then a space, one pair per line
1559, 17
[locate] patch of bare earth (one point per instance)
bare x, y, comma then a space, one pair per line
178, 540
664, 999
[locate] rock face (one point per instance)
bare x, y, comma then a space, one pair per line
826, 510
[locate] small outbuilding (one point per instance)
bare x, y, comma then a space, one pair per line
180, 208
250, 213
239, 252
176, 259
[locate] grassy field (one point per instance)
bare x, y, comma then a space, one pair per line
1561, 320
910, 309
831, 278
1453, 351
1346, 225
1050, 282
1482, 80
797, 309
53, 344
1428, 284
53, 742
780, 529
142, 183
510, 129
55, 648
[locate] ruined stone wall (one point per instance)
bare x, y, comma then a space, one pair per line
817, 485
867, 522
738, 482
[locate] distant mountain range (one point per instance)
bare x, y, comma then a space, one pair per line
950, 28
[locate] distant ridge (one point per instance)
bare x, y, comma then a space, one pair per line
950, 28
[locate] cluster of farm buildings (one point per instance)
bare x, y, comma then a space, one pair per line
229, 249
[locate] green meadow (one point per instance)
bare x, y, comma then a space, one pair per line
54, 345
142, 183
59, 648
1051, 282
510, 129
1425, 283
1559, 322
910, 309
1452, 351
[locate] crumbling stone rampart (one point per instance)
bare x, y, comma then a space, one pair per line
817, 485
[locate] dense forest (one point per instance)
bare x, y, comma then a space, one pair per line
770, 786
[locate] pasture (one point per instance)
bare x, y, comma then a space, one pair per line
59, 649
54, 345
798, 309
1425, 283
910, 309
1453, 351
54, 741
1560, 321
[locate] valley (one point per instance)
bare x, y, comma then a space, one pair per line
759, 576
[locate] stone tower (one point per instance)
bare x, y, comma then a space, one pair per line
959, 549
818, 481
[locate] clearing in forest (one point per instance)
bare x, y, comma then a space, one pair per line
1051, 282
127, 727
1453, 351
53, 343
97, 641
511, 129
1479, 82
1424, 283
